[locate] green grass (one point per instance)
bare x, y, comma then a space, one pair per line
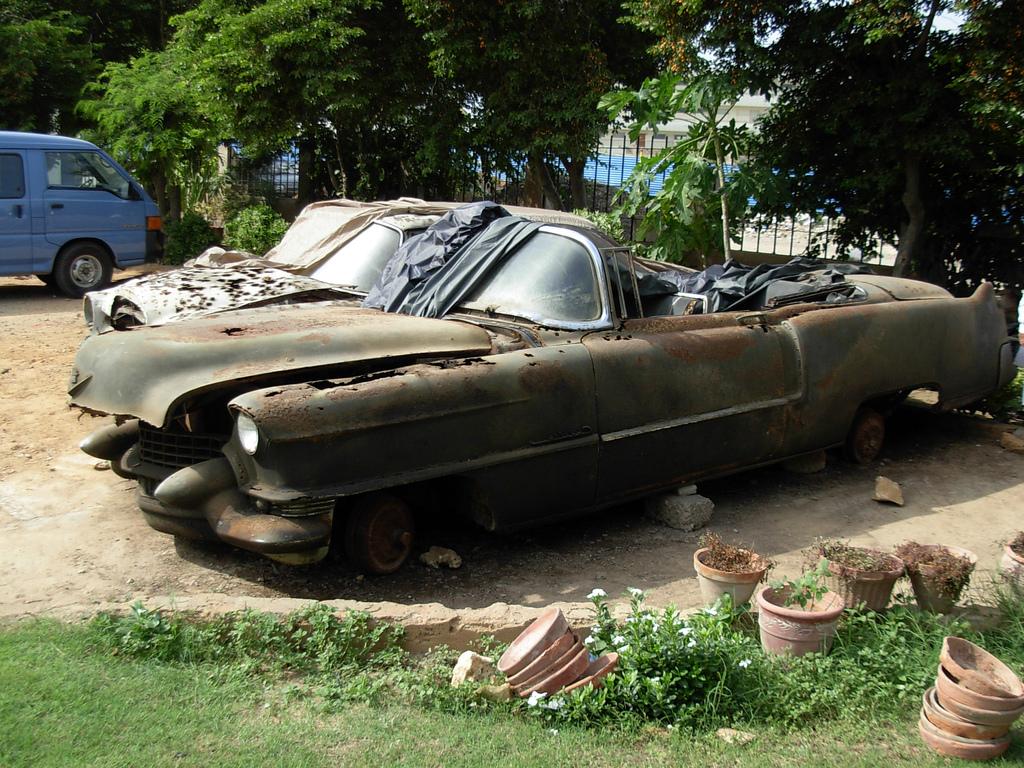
67, 700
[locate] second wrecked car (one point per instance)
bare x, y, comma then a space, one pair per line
513, 373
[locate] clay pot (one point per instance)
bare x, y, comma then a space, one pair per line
952, 691
555, 680
550, 655
928, 597
533, 641
595, 674
978, 670
525, 682
1011, 565
792, 630
715, 583
946, 721
869, 589
957, 746
974, 715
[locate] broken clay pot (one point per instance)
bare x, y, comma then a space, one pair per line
978, 670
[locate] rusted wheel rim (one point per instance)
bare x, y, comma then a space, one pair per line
866, 436
379, 534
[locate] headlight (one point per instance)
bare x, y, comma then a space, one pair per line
248, 433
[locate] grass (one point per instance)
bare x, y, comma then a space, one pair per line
153, 691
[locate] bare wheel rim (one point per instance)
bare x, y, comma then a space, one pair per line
867, 436
85, 270
380, 534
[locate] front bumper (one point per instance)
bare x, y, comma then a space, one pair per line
203, 502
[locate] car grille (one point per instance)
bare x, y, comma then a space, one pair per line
304, 507
177, 449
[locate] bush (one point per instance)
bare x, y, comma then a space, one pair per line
609, 223
188, 237
256, 229
1005, 401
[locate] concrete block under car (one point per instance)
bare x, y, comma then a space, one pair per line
685, 510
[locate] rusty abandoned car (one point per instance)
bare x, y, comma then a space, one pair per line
514, 373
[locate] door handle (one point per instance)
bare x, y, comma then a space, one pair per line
17, 210
56, 205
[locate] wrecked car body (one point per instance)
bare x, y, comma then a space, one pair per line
529, 373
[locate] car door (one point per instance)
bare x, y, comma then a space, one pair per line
686, 397
15, 215
87, 196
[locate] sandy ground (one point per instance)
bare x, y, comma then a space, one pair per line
72, 542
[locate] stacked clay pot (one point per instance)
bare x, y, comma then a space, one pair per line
548, 657
975, 700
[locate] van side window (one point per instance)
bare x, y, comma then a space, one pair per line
84, 170
12, 176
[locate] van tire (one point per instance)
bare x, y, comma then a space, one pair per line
80, 268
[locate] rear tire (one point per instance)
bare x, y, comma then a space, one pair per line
81, 268
866, 437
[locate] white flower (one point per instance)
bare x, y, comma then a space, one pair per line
554, 704
630, 619
656, 680
684, 631
535, 698
590, 640
655, 626
596, 592
670, 727
745, 663
712, 611
692, 643
618, 640
635, 592
623, 648
553, 731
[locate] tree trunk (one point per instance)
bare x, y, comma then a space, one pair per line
552, 195
160, 192
306, 155
720, 168
533, 184
577, 186
173, 202
912, 229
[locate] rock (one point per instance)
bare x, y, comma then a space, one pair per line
685, 513
435, 557
472, 667
1011, 442
101, 466
888, 491
686, 490
731, 736
501, 692
807, 464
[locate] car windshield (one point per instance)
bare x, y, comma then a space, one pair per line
84, 170
551, 278
358, 263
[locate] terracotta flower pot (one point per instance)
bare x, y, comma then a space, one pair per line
533, 641
928, 597
1011, 565
956, 746
715, 583
793, 630
870, 589
595, 674
952, 691
978, 670
946, 721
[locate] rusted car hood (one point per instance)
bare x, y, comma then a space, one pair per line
143, 372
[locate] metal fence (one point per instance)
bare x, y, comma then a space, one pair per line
604, 174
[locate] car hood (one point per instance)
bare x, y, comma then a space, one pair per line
179, 294
145, 371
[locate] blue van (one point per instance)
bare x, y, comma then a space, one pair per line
70, 214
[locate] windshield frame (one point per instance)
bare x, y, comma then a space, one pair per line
604, 321
403, 237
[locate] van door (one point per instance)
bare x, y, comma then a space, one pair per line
87, 196
15, 215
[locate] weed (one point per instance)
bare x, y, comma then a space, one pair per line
949, 572
806, 590
731, 558
843, 556
1017, 543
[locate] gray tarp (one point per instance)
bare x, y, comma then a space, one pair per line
434, 272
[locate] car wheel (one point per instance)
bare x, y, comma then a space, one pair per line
81, 268
379, 532
866, 436
49, 280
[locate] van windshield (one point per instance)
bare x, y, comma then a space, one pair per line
84, 170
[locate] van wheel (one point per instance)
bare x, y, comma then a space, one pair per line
81, 268
866, 436
379, 533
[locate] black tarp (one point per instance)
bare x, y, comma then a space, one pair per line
434, 272
733, 286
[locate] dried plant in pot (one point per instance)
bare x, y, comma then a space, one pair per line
1012, 563
799, 616
938, 573
725, 569
862, 576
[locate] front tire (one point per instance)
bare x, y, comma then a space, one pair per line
379, 533
81, 268
866, 437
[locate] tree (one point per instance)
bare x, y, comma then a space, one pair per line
47, 58
534, 73
149, 116
876, 120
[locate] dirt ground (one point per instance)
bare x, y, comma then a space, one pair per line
72, 541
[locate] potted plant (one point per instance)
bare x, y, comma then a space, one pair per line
860, 575
1012, 562
799, 616
727, 569
938, 573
